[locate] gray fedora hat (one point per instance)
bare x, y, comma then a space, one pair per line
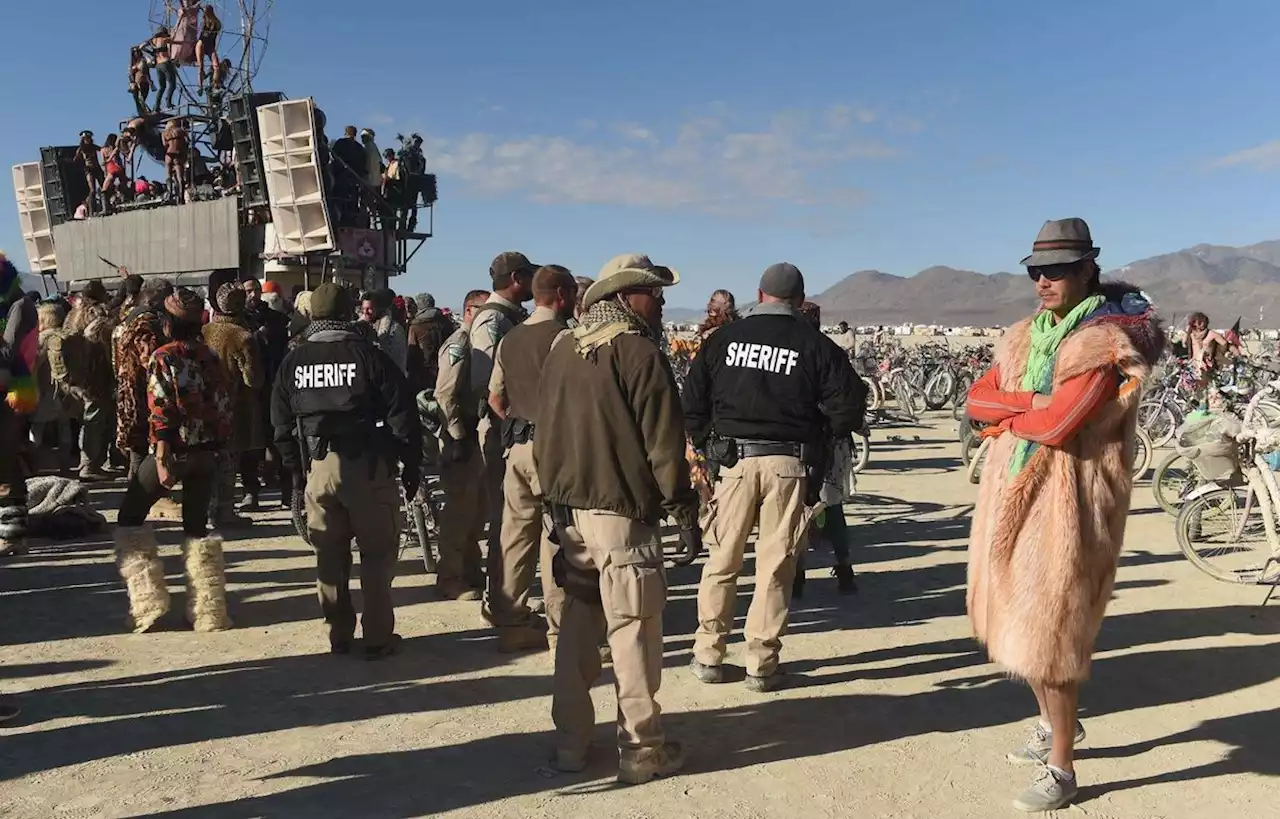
1062, 241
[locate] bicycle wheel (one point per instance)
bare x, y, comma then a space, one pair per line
875, 395
418, 510
939, 389
902, 393
960, 394
298, 513
1173, 478
862, 452
1266, 414
1223, 535
1143, 452
1159, 420
915, 397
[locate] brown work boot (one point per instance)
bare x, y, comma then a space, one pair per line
456, 590
638, 767
514, 639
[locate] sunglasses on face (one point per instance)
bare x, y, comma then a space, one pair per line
1052, 272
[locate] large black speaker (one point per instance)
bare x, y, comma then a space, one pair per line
65, 186
248, 145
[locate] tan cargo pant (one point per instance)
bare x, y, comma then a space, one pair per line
463, 518
770, 490
343, 501
495, 470
524, 546
633, 593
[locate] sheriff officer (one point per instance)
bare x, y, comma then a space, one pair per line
344, 405
763, 397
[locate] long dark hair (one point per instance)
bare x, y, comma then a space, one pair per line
1095, 275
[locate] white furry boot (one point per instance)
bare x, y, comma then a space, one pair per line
138, 557
206, 583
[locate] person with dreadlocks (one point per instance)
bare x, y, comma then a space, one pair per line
141, 333
610, 460
19, 349
721, 310
189, 419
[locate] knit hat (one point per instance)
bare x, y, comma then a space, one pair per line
782, 281
331, 301
272, 287
230, 299
626, 272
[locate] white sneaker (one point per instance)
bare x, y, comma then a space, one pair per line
1036, 750
1048, 791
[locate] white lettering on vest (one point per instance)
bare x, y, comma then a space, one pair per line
761, 357
319, 376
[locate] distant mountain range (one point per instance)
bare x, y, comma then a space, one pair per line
1224, 282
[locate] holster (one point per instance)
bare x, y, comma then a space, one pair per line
516, 431
816, 458
581, 584
720, 452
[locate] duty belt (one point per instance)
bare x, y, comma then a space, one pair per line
760, 449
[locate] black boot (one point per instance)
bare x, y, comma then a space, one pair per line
797, 585
844, 578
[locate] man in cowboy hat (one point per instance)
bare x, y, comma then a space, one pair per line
610, 460
764, 397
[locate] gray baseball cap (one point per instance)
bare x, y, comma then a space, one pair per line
782, 281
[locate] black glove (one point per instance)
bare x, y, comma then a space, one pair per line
691, 541
411, 479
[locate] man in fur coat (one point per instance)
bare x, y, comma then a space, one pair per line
1062, 402
234, 344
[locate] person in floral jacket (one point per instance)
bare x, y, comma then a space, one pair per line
188, 422
141, 332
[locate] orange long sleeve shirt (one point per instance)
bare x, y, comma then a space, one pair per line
1070, 406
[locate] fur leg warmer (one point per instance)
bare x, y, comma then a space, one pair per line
206, 583
138, 557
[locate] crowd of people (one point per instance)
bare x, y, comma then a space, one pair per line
564, 442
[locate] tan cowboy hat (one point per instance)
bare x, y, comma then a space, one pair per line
626, 272
1062, 241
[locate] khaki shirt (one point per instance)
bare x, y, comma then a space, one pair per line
486, 331
457, 409
497, 381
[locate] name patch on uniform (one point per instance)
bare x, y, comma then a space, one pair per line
310, 376
761, 357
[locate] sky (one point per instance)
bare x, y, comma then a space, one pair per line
719, 137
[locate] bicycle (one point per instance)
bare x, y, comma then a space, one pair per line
1243, 496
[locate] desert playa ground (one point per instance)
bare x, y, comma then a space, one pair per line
892, 711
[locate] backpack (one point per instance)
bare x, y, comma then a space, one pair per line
75, 363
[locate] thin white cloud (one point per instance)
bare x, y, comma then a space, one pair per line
800, 158
1264, 157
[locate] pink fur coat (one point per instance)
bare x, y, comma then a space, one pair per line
1045, 543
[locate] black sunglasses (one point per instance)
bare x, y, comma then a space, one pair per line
1053, 272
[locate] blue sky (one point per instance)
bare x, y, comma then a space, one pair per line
722, 136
